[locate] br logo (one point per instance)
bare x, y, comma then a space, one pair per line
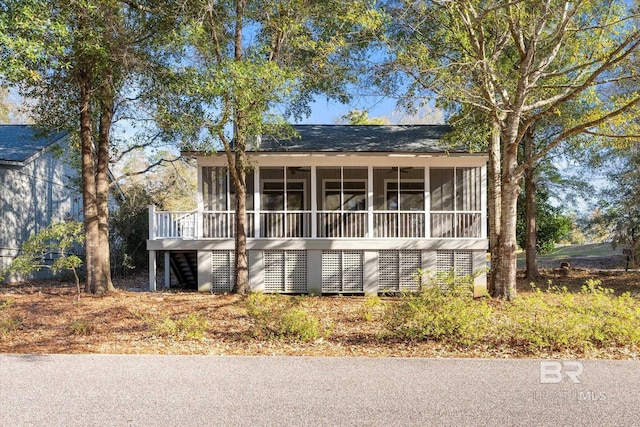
552, 372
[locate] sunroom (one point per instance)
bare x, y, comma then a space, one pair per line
342, 209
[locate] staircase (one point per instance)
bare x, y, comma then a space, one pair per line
185, 268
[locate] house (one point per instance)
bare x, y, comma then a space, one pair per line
36, 186
340, 209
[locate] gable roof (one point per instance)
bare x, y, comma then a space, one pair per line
19, 143
363, 138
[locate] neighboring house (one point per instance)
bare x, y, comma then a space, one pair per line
35, 186
341, 209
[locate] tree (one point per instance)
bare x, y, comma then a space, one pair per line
55, 242
620, 204
510, 60
361, 117
250, 64
75, 58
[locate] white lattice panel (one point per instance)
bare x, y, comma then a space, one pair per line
296, 271
274, 271
222, 271
352, 271
331, 271
463, 263
444, 262
409, 263
388, 274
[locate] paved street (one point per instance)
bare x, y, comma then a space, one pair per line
120, 390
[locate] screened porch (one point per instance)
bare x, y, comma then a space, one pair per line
335, 202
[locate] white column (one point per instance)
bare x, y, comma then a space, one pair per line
370, 232
167, 269
256, 201
483, 202
199, 204
152, 222
152, 271
427, 203
314, 202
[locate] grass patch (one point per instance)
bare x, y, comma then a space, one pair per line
81, 327
191, 327
8, 324
282, 317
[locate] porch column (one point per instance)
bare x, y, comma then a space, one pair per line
483, 202
314, 203
152, 222
167, 269
427, 203
152, 271
256, 202
370, 201
200, 205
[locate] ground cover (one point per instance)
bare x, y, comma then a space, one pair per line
43, 317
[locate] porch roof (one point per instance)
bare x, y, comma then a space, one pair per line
363, 138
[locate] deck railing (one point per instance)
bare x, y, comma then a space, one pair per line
329, 224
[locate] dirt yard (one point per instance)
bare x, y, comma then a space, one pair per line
44, 317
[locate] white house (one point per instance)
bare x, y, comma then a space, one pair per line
341, 209
36, 186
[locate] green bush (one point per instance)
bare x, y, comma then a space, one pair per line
283, 317
557, 320
447, 314
372, 309
193, 326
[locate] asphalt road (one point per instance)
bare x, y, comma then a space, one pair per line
120, 390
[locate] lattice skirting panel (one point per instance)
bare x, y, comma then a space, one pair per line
342, 271
285, 271
460, 263
222, 271
397, 270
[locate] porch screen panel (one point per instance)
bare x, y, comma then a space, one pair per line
222, 271
214, 188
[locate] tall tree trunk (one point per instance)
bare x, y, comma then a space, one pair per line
103, 283
241, 285
509, 205
90, 210
494, 197
532, 273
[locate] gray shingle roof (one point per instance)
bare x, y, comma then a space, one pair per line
363, 138
20, 142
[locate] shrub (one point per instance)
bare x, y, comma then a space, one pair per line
557, 320
447, 314
81, 327
372, 309
284, 317
193, 326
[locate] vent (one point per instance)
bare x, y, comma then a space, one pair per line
397, 269
285, 271
342, 271
458, 263
222, 271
